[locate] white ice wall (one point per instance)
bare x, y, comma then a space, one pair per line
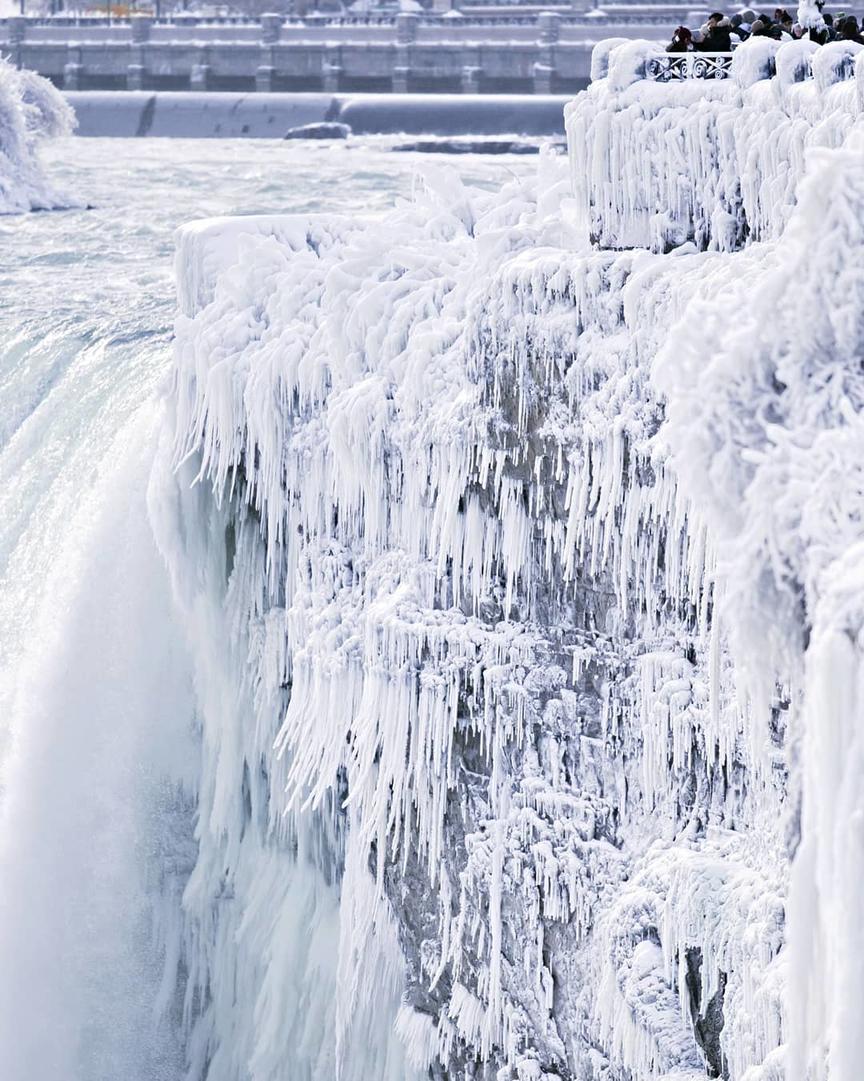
541, 570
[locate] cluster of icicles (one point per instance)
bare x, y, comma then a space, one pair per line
716, 162
505, 553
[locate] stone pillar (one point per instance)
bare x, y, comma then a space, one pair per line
544, 78
135, 75
266, 70
264, 78
331, 71
136, 72
141, 26
407, 24
271, 28
199, 77
73, 69
471, 79
17, 25
549, 26
72, 75
406, 27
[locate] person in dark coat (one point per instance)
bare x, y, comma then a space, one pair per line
848, 30
682, 41
718, 34
766, 27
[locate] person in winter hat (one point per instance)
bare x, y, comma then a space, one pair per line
767, 27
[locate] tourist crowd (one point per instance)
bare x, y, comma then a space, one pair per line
720, 33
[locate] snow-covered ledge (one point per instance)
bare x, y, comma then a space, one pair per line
713, 161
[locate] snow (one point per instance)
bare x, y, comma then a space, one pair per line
809, 15
835, 62
523, 573
716, 162
31, 111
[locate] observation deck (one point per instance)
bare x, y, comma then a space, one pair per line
707, 149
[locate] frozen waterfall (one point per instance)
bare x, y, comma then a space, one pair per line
538, 561
488, 706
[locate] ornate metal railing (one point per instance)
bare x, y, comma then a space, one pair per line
675, 67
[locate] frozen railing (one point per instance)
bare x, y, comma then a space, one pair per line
726, 151
670, 67
797, 56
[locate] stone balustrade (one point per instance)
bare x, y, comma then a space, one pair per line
408, 53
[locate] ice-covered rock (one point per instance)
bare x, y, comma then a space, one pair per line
528, 579
324, 130
31, 110
717, 162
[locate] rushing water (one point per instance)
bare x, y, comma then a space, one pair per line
96, 703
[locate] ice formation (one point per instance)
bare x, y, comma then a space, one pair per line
523, 578
715, 161
31, 111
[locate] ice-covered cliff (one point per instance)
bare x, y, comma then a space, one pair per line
31, 111
522, 577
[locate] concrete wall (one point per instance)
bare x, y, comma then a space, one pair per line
201, 115
410, 53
